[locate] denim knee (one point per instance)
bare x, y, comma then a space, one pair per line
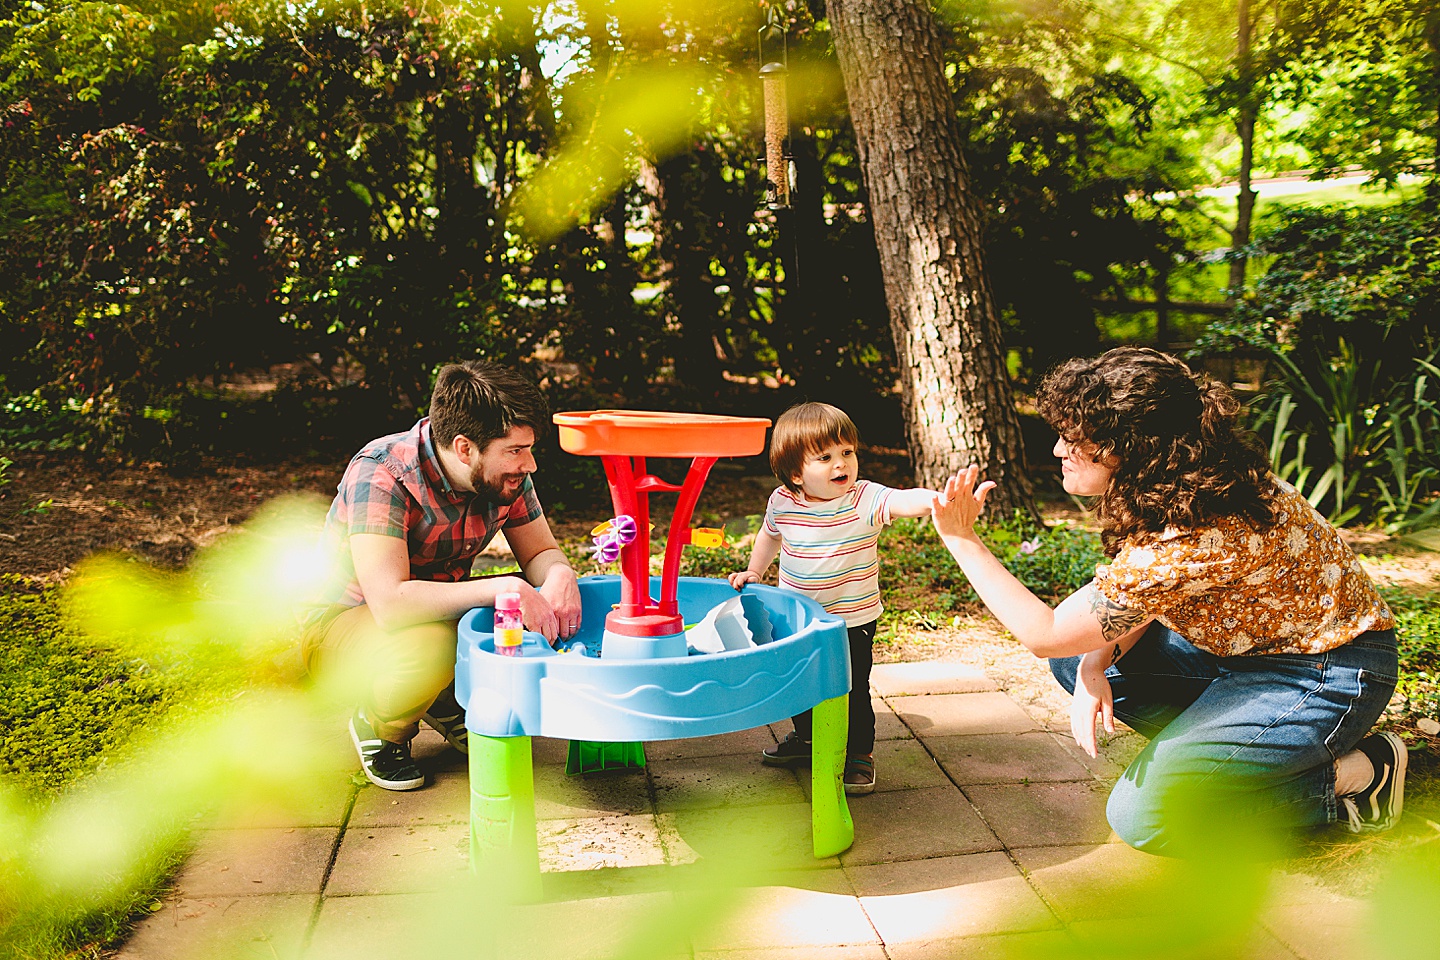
1064, 670
1134, 818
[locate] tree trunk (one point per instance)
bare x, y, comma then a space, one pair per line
1245, 128
949, 347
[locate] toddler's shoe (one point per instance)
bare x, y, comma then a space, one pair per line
859, 775
790, 752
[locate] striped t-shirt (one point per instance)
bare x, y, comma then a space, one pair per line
827, 548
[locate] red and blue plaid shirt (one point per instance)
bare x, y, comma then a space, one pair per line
396, 488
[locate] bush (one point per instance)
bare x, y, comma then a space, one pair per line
1348, 318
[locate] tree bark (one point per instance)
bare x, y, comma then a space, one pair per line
949, 347
1245, 129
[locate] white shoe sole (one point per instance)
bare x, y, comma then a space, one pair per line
414, 784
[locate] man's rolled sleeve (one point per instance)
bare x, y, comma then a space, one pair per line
377, 501
525, 508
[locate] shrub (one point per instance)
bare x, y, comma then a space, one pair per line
1348, 318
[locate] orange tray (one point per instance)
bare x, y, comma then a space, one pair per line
649, 433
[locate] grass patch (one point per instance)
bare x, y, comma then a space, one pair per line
1417, 629
67, 705
70, 708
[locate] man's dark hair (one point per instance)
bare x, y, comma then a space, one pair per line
482, 401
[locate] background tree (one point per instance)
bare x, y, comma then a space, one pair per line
928, 227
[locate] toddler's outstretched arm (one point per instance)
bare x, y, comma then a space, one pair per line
762, 554
914, 502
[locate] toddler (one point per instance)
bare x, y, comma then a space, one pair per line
823, 522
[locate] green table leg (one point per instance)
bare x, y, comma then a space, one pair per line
830, 824
503, 848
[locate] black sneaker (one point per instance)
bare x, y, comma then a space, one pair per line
790, 752
1378, 806
386, 764
447, 718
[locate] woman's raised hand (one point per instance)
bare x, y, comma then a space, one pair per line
960, 503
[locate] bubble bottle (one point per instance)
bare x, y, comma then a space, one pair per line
509, 626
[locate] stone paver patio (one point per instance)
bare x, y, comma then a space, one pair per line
985, 838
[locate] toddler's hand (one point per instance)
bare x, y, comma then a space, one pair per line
739, 578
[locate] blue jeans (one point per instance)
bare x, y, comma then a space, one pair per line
1241, 737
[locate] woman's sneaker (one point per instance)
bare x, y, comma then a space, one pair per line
1378, 806
790, 752
859, 775
386, 764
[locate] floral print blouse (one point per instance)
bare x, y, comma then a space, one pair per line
1237, 588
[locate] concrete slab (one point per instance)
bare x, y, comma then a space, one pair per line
920, 901
915, 824
562, 797
549, 752
242, 863
1044, 814
928, 677
593, 843
899, 765
243, 928
329, 738
434, 753
1102, 881
810, 909
378, 860
721, 781
1017, 946
1005, 758
1315, 923
742, 743
406, 925
445, 799
1162, 937
742, 839
320, 801
954, 714
864, 952
1115, 751
887, 725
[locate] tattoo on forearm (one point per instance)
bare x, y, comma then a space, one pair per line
1116, 654
1115, 620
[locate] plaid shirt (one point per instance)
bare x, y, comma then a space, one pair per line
396, 488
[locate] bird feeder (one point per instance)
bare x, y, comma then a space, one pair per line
777, 118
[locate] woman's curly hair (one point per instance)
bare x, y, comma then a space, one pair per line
1183, 458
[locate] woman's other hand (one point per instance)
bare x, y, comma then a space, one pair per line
1093, 698
959, 503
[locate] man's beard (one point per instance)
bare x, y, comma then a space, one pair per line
493, 492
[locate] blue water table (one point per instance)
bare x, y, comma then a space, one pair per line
636, 678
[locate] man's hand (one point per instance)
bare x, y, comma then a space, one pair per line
1093, 698
739, 578
562, 592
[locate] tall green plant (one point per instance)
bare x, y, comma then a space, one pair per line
1379, 460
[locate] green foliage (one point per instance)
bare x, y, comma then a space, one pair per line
68, 705
1417, 630
715, 561
918, 573
1348, 316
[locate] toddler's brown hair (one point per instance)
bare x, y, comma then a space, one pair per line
806, 428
